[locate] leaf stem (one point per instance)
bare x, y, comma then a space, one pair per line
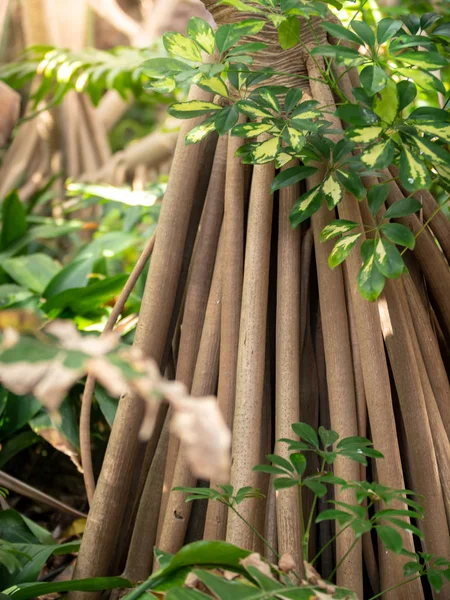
255, 531
394, 587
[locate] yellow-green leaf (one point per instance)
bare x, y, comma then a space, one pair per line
432, 151
413, 173
214, 84
370, 281
266, 151
379, 155
297, 140
440, 130
342, 249
180, 45
251, 110
201, 131
202, 33
364, 135
192, 108
335, 228
282, 159
332, 191
306, 206
249, 130
386, 106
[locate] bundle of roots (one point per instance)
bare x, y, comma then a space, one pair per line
239, 304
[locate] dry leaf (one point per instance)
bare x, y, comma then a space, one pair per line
9, 112
286, 562
71, 339
255, 560
204, 437
49, 381
58, 441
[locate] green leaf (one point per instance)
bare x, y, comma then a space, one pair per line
328, 436
185, 594
388, 259
370, 281
108, 405
332, 191
342, 249
386, 105
364, 31
423, 79
376, 197
269, 469
333, 514
334, 228
202, 33
34, 272
306, 206
387, 28
280, 462
399, 234
365, 135
435, 579
295, 139
226, 119
16, 444
342, 33
341, 54
16, 413
84, 300
180, 45
292, 98
406, 526
390, 538
162, 67
242, 6
425, 60
316, 487
291, 176
289, 32
192, 108
355, 114
307, 433
223, 588
248, 48
282, 483
26, 591
299, 462
402, 208
406, 91
414, 175
14, 220
198, 133
442, 30
352, 182
379, 155
411, 568
373, 79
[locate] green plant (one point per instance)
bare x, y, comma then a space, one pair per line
395, 60
364, 517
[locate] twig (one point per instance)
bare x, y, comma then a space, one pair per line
86, 403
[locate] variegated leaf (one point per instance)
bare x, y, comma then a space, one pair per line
202, 33
296, 139
266, 151
252, 110
192, 108
306, 206
413, 173
214, 84
282, 159
249, 130
180, 45
364, 135
440, 130
432, 151
201, 131
335, 228
388, 259
332, 191
342, 249
370, 281
379, 155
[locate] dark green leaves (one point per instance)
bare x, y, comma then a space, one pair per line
373, 79
390, 538
307, 433
399, 234
376, 197
387, 28
14, 222
306, 206
388, 260
291, 176
403, 208
342, 249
